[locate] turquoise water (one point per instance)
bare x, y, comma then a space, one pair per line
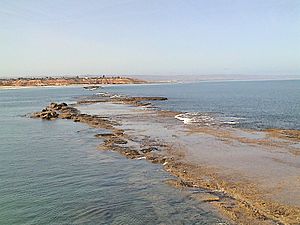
246, 104
52, 173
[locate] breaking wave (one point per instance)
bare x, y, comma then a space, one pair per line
207, 119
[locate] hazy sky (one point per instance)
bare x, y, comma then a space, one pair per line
53, 37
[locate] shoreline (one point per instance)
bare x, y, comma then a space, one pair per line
67, 81
70, 86
150, 82
238, 199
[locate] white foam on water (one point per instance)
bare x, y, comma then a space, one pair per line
118, 96
206, 119
103, 94
196, 117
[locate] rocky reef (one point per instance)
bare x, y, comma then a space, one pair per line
115, 140
239, 202
136, 101
55, 110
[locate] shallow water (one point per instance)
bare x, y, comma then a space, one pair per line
245, 104
52, 173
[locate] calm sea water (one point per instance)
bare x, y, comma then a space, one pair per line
52, 173
246, 104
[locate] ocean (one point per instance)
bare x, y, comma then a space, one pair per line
244, 104
52, 173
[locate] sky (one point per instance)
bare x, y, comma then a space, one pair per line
149, 37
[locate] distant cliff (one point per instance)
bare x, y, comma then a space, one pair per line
65, 81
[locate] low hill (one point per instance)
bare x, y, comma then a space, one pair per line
65, 81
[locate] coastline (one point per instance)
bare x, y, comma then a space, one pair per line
70, 85
56, 165
237, 197
147, 82
67, 81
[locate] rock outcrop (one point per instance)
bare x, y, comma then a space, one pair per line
55, 110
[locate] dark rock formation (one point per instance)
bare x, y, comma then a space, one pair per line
55, 110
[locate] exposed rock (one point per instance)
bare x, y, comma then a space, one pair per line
115, 140
65, 116
120, 141
53, 105
150, 149
148, 98
58, 106
188, 175
76, 120
55, 110
45, 114
131, 154
140, 101
206, 197
105, 135
48, 115
155, 159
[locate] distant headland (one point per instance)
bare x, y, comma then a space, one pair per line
67, 81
